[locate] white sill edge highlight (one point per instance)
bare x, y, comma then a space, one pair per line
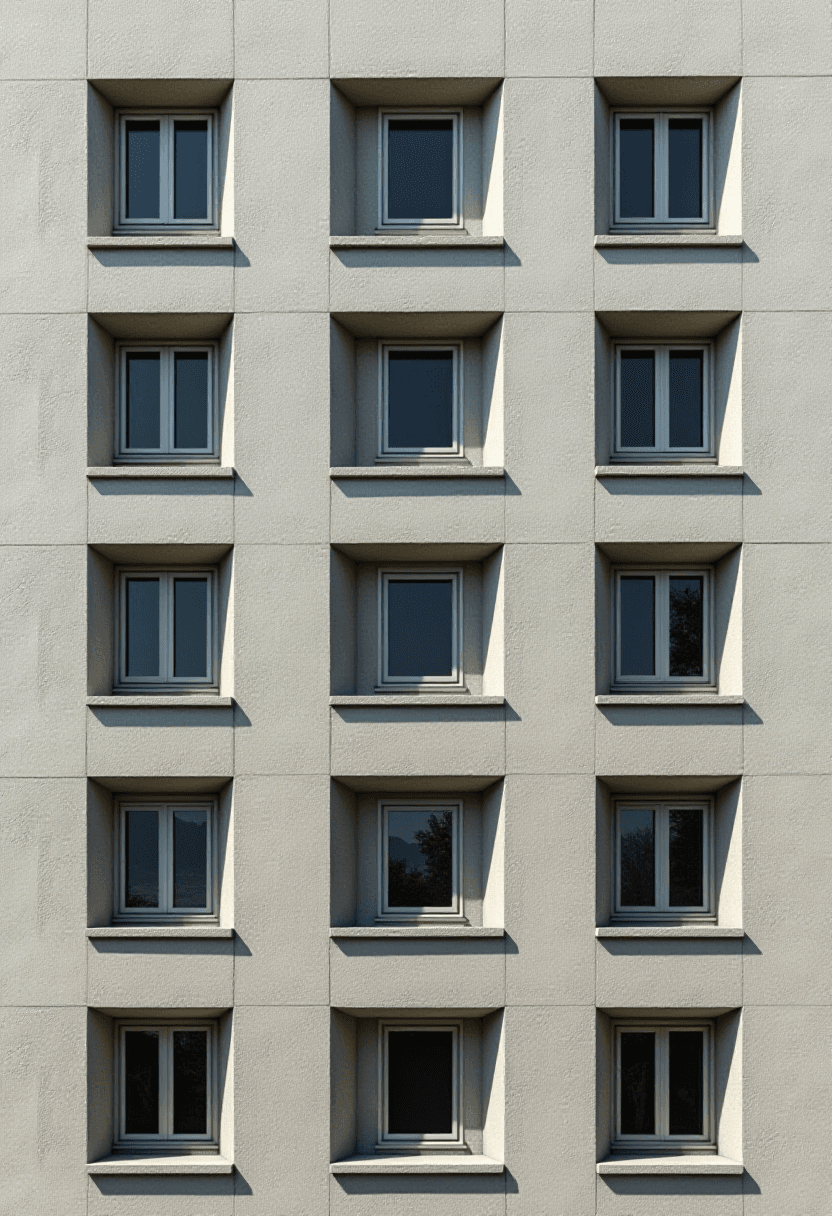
415, 931
197, 1163
162, 700
415, 470
664, 698
418, 1164
668, 931
664, 238
114, 932
411, 699
143, 472
669, 470
690, 1164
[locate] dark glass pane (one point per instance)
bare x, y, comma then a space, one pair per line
638, 1083
686, 857
686, 399
190, 400
420, 858
190, 627
143, 390
190, 852
637, 627
420, 1082
420, 399
685, 1081
686, 626
142, 627
685, 168
638, 399
419, 628
420, 169
141, 1082
190, 1082
190, 170
142, 170
141, 849
635, 169
638, 859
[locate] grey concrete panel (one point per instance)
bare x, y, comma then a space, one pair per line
194, 39
161, 1196
159, 742
783, 41
418, 741
286, 40
667, 740
403, 512
365, 1195
643, 39
416, 280
161, 280
687, 510
665, 973
685, 280
165, 512
400, 974
548, 40
160, 974
28, 56
692, 1196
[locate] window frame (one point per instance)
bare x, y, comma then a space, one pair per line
661, 221
435, 1141
387, 453
164, 1140
662, 681
168, 454
662, 1140
454, 913
416, 683
166, 220
455, 113
166, 680
664, 454
662, 912
165, 914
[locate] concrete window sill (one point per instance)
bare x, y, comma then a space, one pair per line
418, 1164
416, 470
183, 701
667, 931
417, 240
181, 932
691, 1164
159, 240
196, 1164
408, 700
414, 931
668, 470
681, 698
666, 240
143, 472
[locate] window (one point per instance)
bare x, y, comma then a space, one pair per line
167, 402
166, 170
166, 629
664, 1086
419, 1083
663, 628
662, 169
166, 861
420, 398
166, 1089
420, 629
663, 860
420, 169
421, 862
663, 401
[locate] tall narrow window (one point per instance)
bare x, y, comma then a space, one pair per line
420, 1071
663, 628
167, 869
420, 169
166, 1086
663, 402
664, 1087
420, 629
167, 403
663, 861
166, 174
420, 402
662, 169
420, 850
166, 629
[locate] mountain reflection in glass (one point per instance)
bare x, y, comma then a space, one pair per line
419, 628
420, 858
685, 857
190, 1082
141, 1082
420, 169
638, 631
420, 400
420, 1083
141, 859
685, 1083
638, 1083
684, 168
638, 858
685, 404
638, 399
686, 626
190, 850
635, 168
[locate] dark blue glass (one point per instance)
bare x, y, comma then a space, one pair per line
685, 168
190, 854
190, 170
638, 1083
420, 169
190, 1082
686, 398
685, 1082
635, 168
142, 658
143, 393
190, 627
419, 628
638, 858
190, 400
638, 399
638, 633
420, 1082
686, 626
420, 399
141, 859
142, 169
141, 1082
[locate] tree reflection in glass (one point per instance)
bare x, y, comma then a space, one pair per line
638, 858
420, 856
686, 626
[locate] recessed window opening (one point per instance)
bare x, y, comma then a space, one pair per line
420, 860
663, 397
166, 629
664, 1087
166, 861
166, 1098
420, 640
663, 628
662, 169
663, 861
420, 169
167, 402
166, 170
420, 398
420, 1089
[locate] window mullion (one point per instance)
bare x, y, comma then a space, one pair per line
661, 169
166, 169
166, 626
165, 858
662, 859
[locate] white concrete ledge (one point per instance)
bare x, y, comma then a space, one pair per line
184, 701
173, 240
666, 240
417, 240
198, 1163
410, 699
159, 931
654, 931
681, 698
689, 1164
437, 1163
413, 931
668, 470
416, 470
141, 472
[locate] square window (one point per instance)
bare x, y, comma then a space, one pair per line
663, 401
662, 169
167, 402
166, 170
421, 860
663, 629
167, 629
166, 863
420, 398
420, 1085
166, 1093
420, 169
664, 1086
420, 643
663, 860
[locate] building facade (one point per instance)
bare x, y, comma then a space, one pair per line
416, 721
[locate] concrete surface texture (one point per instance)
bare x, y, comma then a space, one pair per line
533, 517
